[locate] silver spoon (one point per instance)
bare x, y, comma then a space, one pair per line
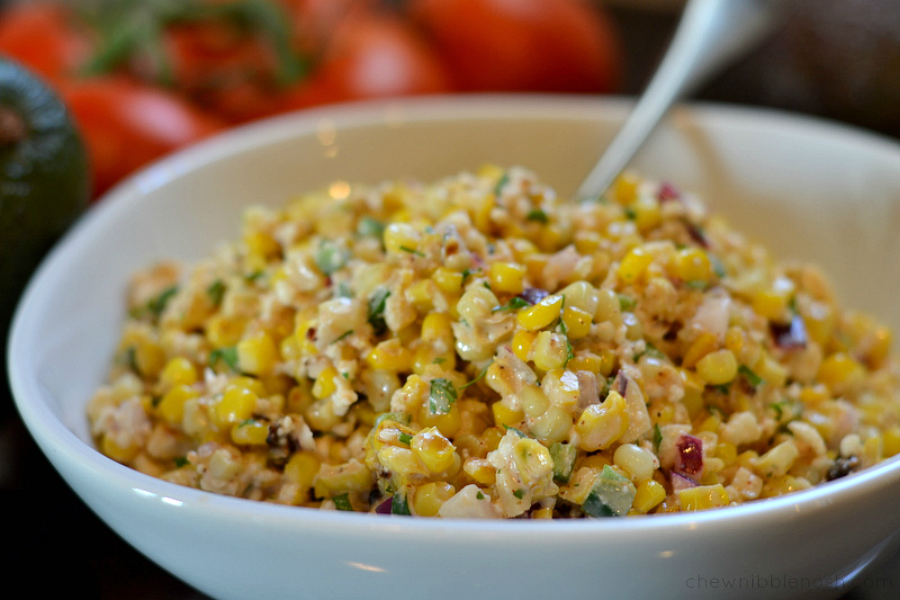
710, 34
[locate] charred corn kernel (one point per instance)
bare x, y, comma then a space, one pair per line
118, 453
447, 423
507, 277
649, 494
550, 350
325, 384
533, 401
349, 477
703, 345
250, 433
625, 188
506, 416
693, 265
634, 264
778, 460
178, 371
401, 238
302, 468
258, 354
541, 314
718, 368
429, 497
400, 461
481, 471
841, 372
522, 343
552, 426
591, 363
638, 463
600, 425
437, 326
235, 405
703, 497
171, 407
390, 355
645, 212
577, 321
261, 244
433, 450
448, 280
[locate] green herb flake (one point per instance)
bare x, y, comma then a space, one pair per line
343, 336
501, 183
442, 395
538, 215
754, 379
657, 437
181, 461
479, 496
342, 502
723, 389
246, 422
400, 505
252, 277
514, 430
515, 303
404, 438
229, 356
563, 456
626, 302
477, 378
696, 284
779, 411
216, 291
718, 267
369, 227
131, 359
519, 493
412, 251
439, 361
630, 213
330, 257
157, 305
376, 309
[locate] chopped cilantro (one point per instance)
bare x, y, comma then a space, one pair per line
519, 493
246, 422
514, 430
570, 352
412, 251
251, 277
477, 378
227, 355
626, 302
404, 438
696, 284
538, 215
630, 213
442, 395
754, 379
718, 267
479, 495
181, 461
657, 437
131, 359
370, 227
515, 303
157, 305
439, 360
399, 504
342, 502
216, 291
500, 183
344, 335
376, 309
330, 257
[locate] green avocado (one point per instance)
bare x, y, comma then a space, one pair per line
44, 180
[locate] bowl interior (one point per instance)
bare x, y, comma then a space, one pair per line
811, 190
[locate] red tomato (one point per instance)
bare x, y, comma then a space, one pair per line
126, 124
517, 45
43, 37
371, 55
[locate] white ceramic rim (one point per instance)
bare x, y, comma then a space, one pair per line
59, 443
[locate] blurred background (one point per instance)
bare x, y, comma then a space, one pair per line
144, 77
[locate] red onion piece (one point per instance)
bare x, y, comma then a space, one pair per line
690, 455
533, 295
682, 482
384, 507
668, 192
791, 336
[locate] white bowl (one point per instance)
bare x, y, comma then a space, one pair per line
811, 189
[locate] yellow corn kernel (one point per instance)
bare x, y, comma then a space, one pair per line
235, 405
149, 358
710, 424
693, 265
541, 314
250, 433
118, 453
447, 423
437, 326
325, 385
426, 356
634, 264
429, 497
421, 295
178, 371
390, 355
545, 512
891, 441
222, 331
171, 407
258, 354
400, 461
718, 368
600, 425
250, 383
703, 497
506, 416
261, 244
481, 471
638, 463
727, 452
448, 280
350, 477
491, 438
589, 362
302, 468
841, 372
649, 494
552, 426
587, 242
772, 303
401, 238
693, 392
770, 371
533, 401
522, 343
535, 263
646, 213
777, 461
550, 350
433, 450
703, 345
532, 460
577, 321
507, 277
625, 188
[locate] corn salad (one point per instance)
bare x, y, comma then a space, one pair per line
480, 348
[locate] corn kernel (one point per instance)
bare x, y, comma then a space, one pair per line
118, 453
390, 355
841, 372
625, 188
481, 471
718, 368
250, 433
262, 245
401, 238
591, 363
448, 280
600, 425
258, 354
505, 416
577, 321
302, 468
649, 494
171, 407
149, 358
633, 265
421, 294
448, 423
533, 401
693, 265
325, 385
703, 345
178, 371
545, 512
550, 350
437, 326
638, 463
222, 331
522, 343
434, 450
646, 213
429, 497
507, 277
235, 405
552, 426
703, 497
778, 460
772, 303
891, 441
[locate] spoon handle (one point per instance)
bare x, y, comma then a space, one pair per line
710, 33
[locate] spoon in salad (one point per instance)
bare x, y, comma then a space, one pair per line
710, 34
